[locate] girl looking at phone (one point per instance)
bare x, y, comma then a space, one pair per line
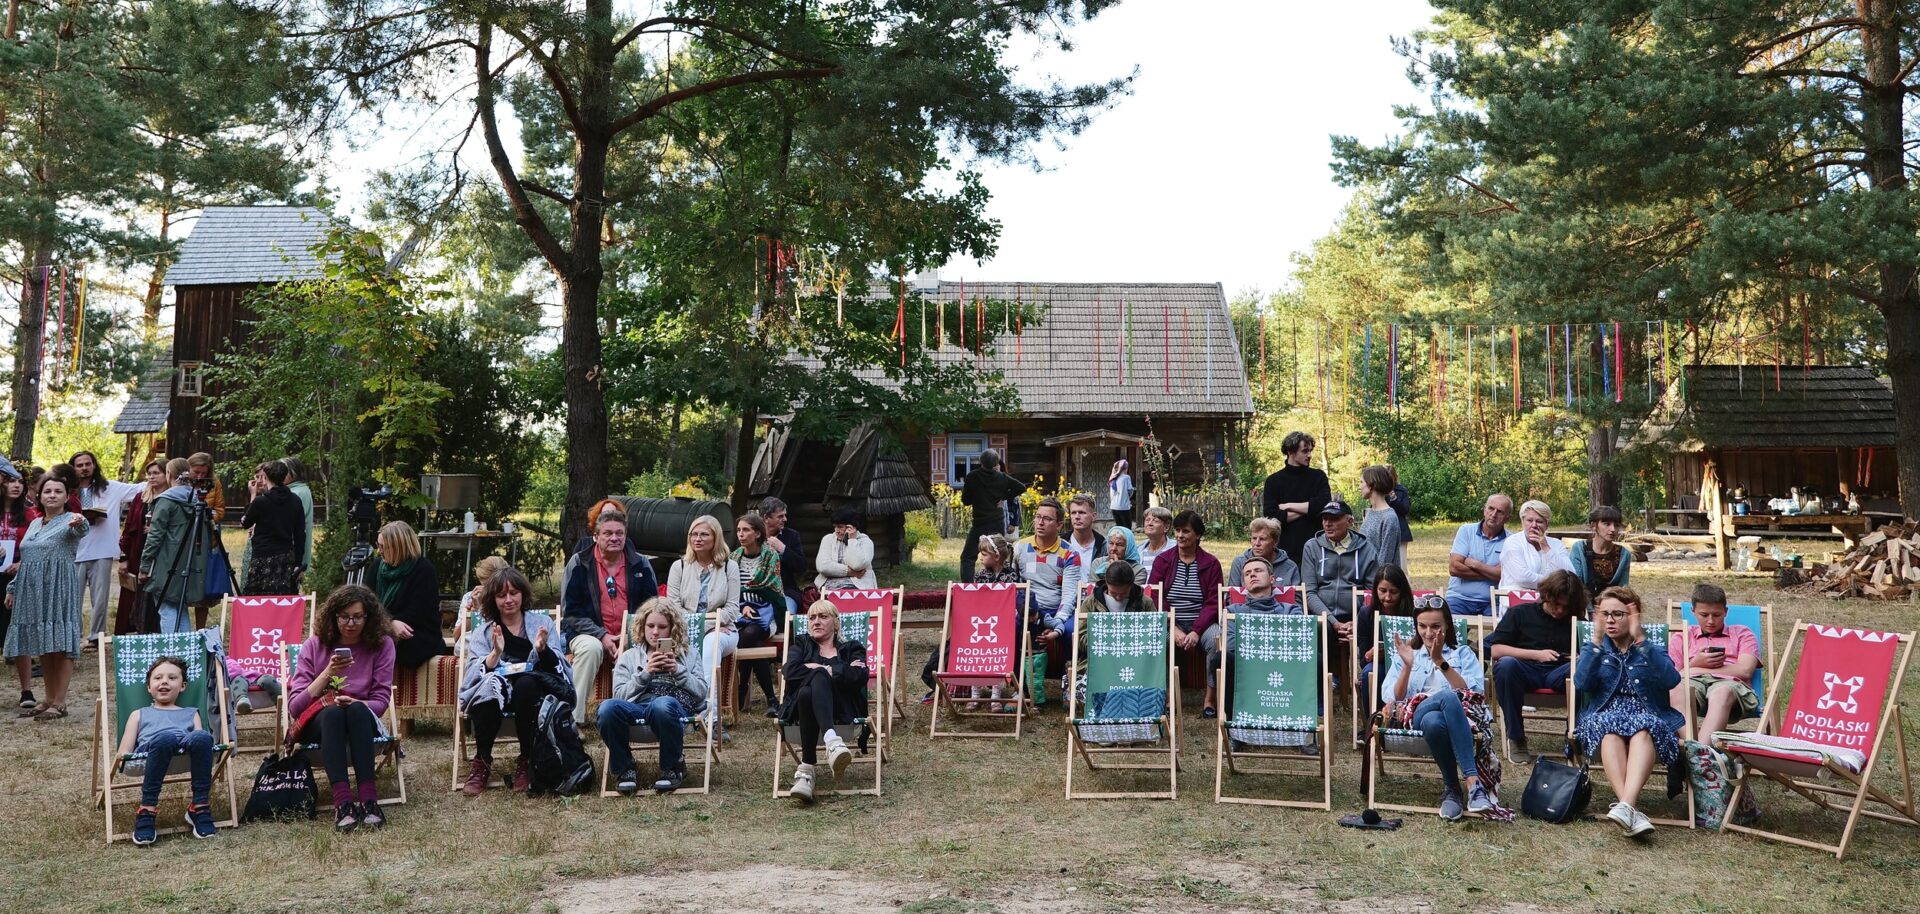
657, 683
340, 689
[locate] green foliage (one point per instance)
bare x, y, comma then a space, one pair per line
60, 434
922, 529
479, 416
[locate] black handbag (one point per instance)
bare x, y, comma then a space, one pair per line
283, 788
1556, 792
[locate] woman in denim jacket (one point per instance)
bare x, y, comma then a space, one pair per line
1625, 719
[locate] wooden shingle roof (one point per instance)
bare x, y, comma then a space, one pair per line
245, 244
146, 410
1819, 406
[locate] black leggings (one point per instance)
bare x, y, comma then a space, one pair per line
813, 711
486, 716
345, 734
762, 670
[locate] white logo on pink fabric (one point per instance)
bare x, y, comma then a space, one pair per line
1834, 699
990, 623
266, 640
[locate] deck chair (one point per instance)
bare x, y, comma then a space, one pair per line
1656, 633
1503, 598
123, 690
640, 736
387, 745
1550, 706
883, 648
462, 755
863, 627
1394, 746
1758, 619
1828, 739
1129, 712
1277, 721
256, 629
985, 645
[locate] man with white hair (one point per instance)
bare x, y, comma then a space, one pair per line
1527, 559
1473, 564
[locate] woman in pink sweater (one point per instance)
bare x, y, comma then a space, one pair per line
346, 669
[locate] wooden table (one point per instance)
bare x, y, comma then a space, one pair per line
1850, 527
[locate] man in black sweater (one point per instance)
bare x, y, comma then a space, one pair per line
1295, 493
986, 490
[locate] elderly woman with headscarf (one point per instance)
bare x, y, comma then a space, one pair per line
1121, 548
1120, 494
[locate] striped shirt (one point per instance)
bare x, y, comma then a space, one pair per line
1185, 596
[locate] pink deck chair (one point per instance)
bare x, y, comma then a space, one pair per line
883, 646
985, 645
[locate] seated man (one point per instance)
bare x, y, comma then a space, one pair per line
608, 579
1257, 573
1718, 678
1334, 565
1531, 649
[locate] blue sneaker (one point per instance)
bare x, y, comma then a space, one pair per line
1479, 802
201, 820
143, 826
1450, 808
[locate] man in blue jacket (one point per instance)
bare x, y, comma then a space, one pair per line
609, 579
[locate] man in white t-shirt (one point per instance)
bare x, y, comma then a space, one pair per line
104, 501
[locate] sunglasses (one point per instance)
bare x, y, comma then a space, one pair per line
613, 586
1429, 601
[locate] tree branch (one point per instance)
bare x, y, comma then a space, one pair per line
552, 71
1843, 23
709, 87
687, 22
547, 192
523, 211
1813, 73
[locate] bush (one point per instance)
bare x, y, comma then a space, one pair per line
921, 529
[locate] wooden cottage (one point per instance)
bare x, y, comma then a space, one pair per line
817, 478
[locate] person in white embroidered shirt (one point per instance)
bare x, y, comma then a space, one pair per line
1432, 673
1527, 559
103, 501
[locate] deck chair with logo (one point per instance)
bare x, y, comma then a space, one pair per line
462, 752
862, 626
1548, 706
1829, 738
1505, 597
1274, 718
1397, 751
257, 627
386, 744
1129, 720
641, 738
883, 646
123, 690
985, 646
1655, 633
1758, 619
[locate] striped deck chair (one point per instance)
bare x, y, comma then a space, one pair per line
640, 736
1757, 619
1274, 717
1396, 746
1655, 633
1829, 737
387, 744
1129, 712
123, 690
854, 626
985, 646
256, 629
462, 754
883, 647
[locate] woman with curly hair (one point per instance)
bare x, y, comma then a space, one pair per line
346, 668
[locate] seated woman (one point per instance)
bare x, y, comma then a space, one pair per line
513, 663
1264, 535
997, 566
1432, 687
409, 588
1392, 596
1601, 562
704, 580
1121, 550
826, 684
352, 645
762, 603
1190, 577
1625, 719
845, 559
658, 683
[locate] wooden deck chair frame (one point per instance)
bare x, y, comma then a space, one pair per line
1536, 702
978, 709
274, 722
1276, 761
1677, 611
1502, 597
892, 685
1379, 755
462, 757
786, 737
1657, 780
1810, 780
109, 777
389, 750
1164, 757
708, 747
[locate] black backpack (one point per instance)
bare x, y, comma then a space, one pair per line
559, 761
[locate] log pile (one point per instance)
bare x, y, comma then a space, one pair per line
1884, 566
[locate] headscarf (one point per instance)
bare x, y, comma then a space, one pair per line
1119, 467
1133, 550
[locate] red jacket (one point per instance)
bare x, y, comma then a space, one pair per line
1210, 579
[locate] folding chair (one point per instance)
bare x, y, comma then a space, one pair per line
256, 629
641, 736
462, 757
1503, 598
124, 691
1757, 619
1845, 703
992, 650
883, 648
1129, 673
1395, 745
386, 744
1277, 720
854, 626
1655, 633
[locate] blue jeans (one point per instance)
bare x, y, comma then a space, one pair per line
1515, 679
1442, 720
662, 715
160, 751
174, 618
1469, 606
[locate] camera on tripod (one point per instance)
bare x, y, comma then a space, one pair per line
364, 514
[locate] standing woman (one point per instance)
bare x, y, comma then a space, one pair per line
513, 663
45, 596
1601, 562
1381, 526
826, 684
1625, 718
704, 580
352, 647
130, 617
1120, 494
13, 527
762, 602
410, 590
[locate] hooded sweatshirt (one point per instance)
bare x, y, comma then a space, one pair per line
1329, 577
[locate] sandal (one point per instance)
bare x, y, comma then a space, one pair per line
50, 712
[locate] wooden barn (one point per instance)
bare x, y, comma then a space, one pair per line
817, 478
231, 251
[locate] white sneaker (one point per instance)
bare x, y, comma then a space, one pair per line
1641, 824
803, 784
1622, 815
838, 755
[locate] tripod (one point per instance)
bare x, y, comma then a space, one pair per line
199, 538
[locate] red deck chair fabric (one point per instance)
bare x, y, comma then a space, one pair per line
984, 645
880, 634
1839, 692
260, 626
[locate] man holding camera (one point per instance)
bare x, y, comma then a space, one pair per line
173, 563
1718, 678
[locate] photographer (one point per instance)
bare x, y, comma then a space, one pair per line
173, 561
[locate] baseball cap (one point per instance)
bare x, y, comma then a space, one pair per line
1336, 508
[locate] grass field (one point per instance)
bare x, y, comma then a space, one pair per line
965, 826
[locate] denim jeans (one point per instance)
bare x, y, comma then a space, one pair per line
174, 618
661, 715
160, 750
1442, 720
1515, 679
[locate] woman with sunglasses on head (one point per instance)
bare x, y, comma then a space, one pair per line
1434, 686
1391, 595
1626, 720
346, 669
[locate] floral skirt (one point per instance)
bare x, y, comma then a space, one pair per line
1625, 716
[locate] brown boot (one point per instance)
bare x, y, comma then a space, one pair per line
479, 772
522, 775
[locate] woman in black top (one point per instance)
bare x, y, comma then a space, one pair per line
826, 684
279, 526
410, 589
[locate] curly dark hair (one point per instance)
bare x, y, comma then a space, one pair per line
327, 627
503, 579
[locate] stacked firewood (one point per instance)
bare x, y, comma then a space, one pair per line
1884, 566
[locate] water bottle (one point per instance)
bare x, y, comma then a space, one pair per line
471, 526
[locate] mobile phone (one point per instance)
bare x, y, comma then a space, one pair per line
343, 653
1717, 649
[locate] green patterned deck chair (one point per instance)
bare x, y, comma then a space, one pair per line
1127, 714
462, 751
1656, 634
854, 626
1405, 749
1274, 719
386, 744
123, 690
640, 736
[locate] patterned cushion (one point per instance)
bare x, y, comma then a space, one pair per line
433, 687
1119, 731
1274, 737
1129, 703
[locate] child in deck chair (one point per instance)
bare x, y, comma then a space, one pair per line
161, 730
1625, 720
997, 566
1718, 678
658, 682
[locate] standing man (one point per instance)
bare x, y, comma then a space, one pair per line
1473, 564
103, 501
785, 542
1295, 493
986, 490
1081, 539
173, 563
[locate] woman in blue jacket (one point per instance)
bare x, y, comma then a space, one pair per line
1625, 720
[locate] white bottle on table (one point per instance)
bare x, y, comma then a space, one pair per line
470, 523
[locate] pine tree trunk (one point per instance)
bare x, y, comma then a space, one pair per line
1883, 133
29, 338
1603, 487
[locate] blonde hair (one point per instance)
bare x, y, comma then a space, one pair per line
487, 568
1264, 523
826, 609
399, 539
719, 541
677, 637
1538, 507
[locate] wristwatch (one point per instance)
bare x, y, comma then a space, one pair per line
1445, 666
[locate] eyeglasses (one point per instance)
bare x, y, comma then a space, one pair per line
613, 586
1615, 615
352, 620
1429, 601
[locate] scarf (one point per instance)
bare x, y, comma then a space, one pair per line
762, 587
392, 579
